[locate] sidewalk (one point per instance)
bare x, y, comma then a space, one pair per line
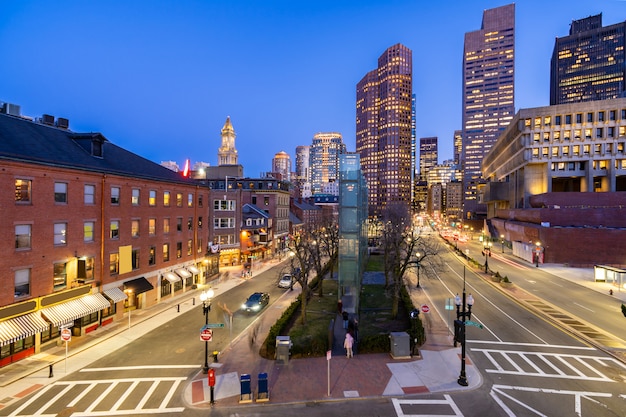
436, 369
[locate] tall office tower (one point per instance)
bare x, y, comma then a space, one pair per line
383, 128
414, 174
458, 147
324, 159
589, 63
227, 154
281, 165
428, 155
488, 96
302, 171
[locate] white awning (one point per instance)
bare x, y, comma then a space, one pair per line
171, 277
21, 327
65, 313
183, 273
193, 270
115, 294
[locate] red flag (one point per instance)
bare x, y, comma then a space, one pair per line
186, 170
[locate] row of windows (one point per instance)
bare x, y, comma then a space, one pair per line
578, 134
598, 149
23, 232
114, 258
596, 165
588, 117
24, 189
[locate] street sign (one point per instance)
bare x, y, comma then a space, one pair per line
425, 308
206, 335
473, 323
329, 354
449, 303
213, 326
66, 335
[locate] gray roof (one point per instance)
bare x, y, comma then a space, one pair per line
25, 141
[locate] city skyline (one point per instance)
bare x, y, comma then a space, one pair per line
160, 81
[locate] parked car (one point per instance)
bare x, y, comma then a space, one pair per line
286, 281
256, 302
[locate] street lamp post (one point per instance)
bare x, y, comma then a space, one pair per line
459, 327
502, 241
418, 269
205, 297
487, 253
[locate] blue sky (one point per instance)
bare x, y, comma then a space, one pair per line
160, 77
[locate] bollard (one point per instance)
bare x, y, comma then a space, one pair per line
178, 308
215, 353
50, 375
193, 301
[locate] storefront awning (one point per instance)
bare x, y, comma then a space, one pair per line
20, 327
193, 270
115, 294
183, 273
138, 285
65, 313
171, 277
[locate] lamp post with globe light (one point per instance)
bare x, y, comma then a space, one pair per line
205, 297
459, 327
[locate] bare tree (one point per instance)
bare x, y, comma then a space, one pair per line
301, 263
326, 235
404, 247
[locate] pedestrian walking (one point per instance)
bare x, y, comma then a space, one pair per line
339, 306
348, 344
345, 317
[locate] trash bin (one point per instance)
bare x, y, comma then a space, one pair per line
283, 348
246, 390
263, 393
400, 345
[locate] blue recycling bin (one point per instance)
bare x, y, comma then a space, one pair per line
246, 390
263, 393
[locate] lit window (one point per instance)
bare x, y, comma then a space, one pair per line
60, 276
179, 250
166, 252
60, 233
114, 229
152, 198
152, 255
166, 198
114, 263
189, 247
166, 225
134, 228
88, 230
179, 200
23, 190
151, 227
189, 200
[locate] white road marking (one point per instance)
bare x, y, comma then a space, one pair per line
397, 405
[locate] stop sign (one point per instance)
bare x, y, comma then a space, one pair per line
425, 308
206, 335
66, 335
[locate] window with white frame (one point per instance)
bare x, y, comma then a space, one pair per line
22, 283
90, 194
23, 235
115, 195
224, 205
152, 198
223, 222
88, 230
60, 192
134, 199
114, 229
60, 234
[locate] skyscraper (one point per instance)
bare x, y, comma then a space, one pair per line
589, 63
324, 159
281, 165
429, 155
227, 154
302, 170
488, 96
383, 128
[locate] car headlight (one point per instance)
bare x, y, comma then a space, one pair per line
243, 306
256, 307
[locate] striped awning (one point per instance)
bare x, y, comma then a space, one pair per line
171, 277
65, 313
115, 294
193, 270
183, 273
20, 327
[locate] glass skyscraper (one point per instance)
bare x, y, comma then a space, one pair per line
383, 128
324, 159
589, 63
488, 96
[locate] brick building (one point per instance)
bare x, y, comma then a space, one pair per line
90, 230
